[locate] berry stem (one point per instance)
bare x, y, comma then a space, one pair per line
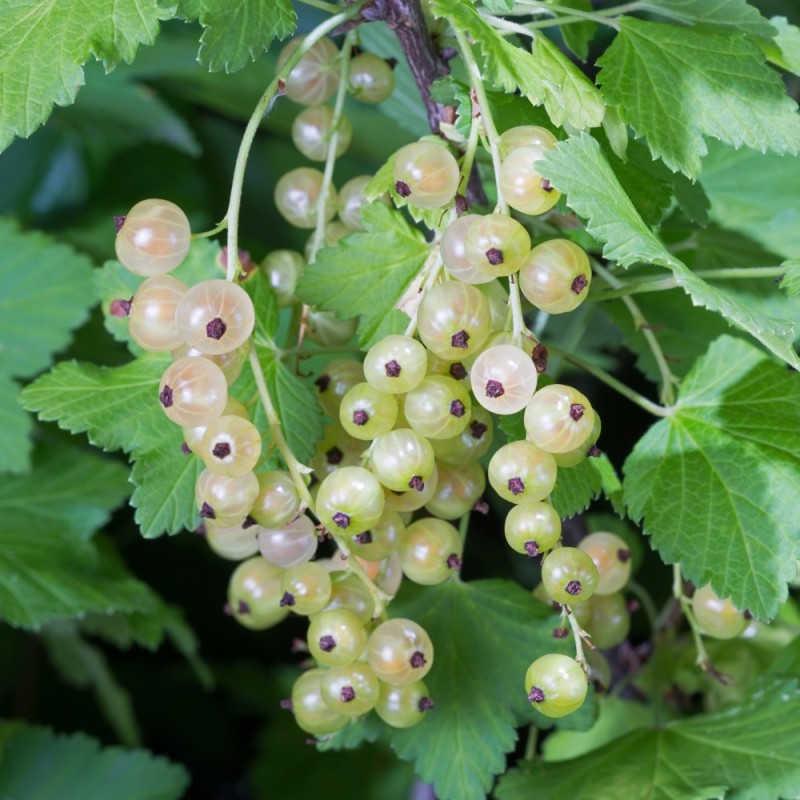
263, 108
610, 380
580, 636
427, 277
221, 226
602, 18
330, 161
476, 81
703, 661
648, 606
668, 379
518, 328
296, 469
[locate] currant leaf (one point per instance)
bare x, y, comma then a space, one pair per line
716, 481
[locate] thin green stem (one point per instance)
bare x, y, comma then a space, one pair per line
733, 273
600, 17
515, 304
476, 81
427, 277
469, 154
610, 380
296, 469
580, 636
213, 232
261, 110
635, 287
379, 597
668, 380
330, 160
686, 606
530, 744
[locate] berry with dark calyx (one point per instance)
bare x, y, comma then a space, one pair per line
400, 652
315, 77
307, 587
430, 551
152, 312
496, 245
401, 457
521, 472
336, 637
311, 713
351, 689
381, 540
569, 575
350, 499
438, 407
558, 418
556, 685
403, 706
254, 594
366, 412
552, 272
215, 316
611, 556
396, 364
193, 391
532, 528
426, 173
503, 379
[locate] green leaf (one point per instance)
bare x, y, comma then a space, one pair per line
45, 292
577, 168
84, 666
577, 486
15, 429
37, 763
368, 272
295, 401
675, 85
164, 478
43, 47
545, 75
118, 408
485, 634
69, 489
615, 718
770, 211
790, 282
731, 15
716, 482
236, 33
45, 578
784, 50
750, 750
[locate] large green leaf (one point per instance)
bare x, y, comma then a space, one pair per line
578, 168
367, 273
769, 211
675, 85
71, 490
45, 292
735, 16
750, 751
43, 47
237, 33
15, 429
37, 764
485, 634
118, 408
716, 483
544, 75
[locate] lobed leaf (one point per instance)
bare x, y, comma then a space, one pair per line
750, 750
578, 168
43, 47
676, 85
367, 273
716, 482
236, 33
39, 763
